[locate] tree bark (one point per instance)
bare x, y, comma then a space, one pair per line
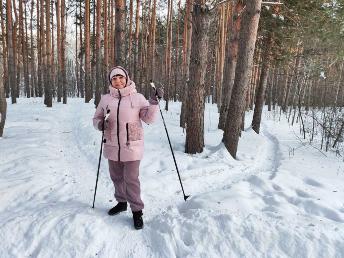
186, 61
198, 64
259, 103
59, 61
4, 52
120, 32
112, 33
135, 72
53, 75
230, 64
152, 43
63, 48
168, 54
40, 47
247, 40
177, 66
10, 51
24, 49
81, 58
48, 98
130, 43
93, 78
43, 67
99, 82
16, 49
33, 77
106, 49
88, 85
3, 103
219, 55
292, 79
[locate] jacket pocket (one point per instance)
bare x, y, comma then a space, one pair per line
134, 131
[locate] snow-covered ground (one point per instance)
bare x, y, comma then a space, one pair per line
281, 198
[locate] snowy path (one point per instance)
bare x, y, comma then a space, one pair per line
268, 203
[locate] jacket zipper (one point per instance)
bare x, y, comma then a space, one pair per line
127, 127
119, 145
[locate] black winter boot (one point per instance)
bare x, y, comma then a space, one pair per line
138, 221
121, 206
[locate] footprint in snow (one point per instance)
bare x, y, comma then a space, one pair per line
277, 187
302, 194
312, 182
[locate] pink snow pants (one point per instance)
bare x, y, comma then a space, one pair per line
125, 177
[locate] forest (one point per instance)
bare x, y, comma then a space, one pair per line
240, 55
162, 129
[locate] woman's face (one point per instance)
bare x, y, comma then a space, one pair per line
118, 81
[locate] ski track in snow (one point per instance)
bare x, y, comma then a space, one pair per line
256, 206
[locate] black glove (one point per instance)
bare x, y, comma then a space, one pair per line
158, 94
101, 123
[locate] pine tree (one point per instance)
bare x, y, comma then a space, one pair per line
247, 40
10, 52
196, 89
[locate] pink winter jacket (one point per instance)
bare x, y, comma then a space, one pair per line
123, 138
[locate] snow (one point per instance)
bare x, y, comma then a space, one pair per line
280, 198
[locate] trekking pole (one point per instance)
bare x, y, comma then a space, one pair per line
168, 138
100, 155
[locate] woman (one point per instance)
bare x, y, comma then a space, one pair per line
123, 138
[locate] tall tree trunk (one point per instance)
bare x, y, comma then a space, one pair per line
152, 43
247, 40
88, 85
340, 83
10, 51
147, 52
27, 74
284, 86
177, 66
120, 32
48, 82
77, 64
52, 52
112, 33
231, 62
106, 49
291, 79
33, 77
187, 34
93, 46
254, 80
274, 85
81, 58
43, 40
63, 48
219, 55
59, 61
270, 87
168, 53
99, 82
130, 42
144, 48
24, 49
3, 103
4, 52
16, 49
259, 103
135, 71
198, 64
40, 47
